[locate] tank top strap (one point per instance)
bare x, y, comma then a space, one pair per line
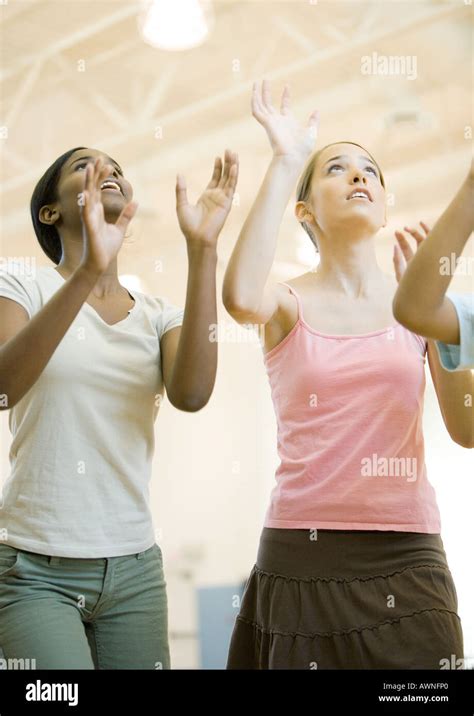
298, 300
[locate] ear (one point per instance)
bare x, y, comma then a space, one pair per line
301, 212
48, 215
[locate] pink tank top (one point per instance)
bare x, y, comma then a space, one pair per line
350, 440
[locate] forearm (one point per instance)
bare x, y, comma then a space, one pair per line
24, 357
195, 364
422, 289
253, 255
455, 392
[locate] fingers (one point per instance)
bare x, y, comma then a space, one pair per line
399, 262
258, 110
181, 193
416, 234
126, 215
262, 100
229, 187
96, 172
426, 228
404, 245
216, 175
227, 164
267, 96
285, 100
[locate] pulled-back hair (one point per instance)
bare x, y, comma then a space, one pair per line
45, 192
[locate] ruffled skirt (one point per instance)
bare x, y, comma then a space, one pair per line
348, 599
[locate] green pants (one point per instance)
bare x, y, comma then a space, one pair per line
63, 613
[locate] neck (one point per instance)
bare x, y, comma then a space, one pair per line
108, 282
349, 268
72, 243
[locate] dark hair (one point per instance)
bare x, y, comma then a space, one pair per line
304, 184
45, 192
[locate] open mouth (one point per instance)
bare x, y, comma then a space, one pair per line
110, 185
360, 194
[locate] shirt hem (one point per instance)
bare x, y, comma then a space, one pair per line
382, 526
51, 551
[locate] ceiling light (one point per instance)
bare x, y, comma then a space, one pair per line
176, 24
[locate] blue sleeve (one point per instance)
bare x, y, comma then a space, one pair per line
460, 357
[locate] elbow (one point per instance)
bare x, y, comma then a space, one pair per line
189, 404
229, 301
234, 303
465, 441
462, 434
403, 313
237, 308
400, 310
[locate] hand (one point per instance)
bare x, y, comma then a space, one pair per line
402, 251
287, 136
102, 241
201, 224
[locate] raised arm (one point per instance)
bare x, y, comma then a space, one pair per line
189, 357
454, 390
420, 302
246, 293
26, 345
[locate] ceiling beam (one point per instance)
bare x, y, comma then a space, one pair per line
86, 31
139, 128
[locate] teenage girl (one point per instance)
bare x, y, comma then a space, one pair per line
351, 570
83, 366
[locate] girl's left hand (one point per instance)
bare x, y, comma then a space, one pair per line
201, 224
402, 251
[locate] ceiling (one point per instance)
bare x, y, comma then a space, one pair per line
78, 73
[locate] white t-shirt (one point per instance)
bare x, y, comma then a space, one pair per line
83, 435
460, 357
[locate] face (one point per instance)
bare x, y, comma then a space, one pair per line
341, 170
65, 211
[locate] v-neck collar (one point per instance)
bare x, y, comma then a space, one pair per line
132, 311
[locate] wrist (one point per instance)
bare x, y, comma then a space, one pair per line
201, 251
290, 162
87, 275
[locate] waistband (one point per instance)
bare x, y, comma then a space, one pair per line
346, 553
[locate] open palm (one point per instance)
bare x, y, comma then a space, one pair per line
102, 240
202, 223
288, 137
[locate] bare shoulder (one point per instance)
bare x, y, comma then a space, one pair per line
286, 316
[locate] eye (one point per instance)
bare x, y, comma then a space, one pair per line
334, 165
83, 164
372, 169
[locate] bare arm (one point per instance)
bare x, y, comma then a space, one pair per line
453, 389
189, 357
455, 392
26, 345
246, 293
420, 302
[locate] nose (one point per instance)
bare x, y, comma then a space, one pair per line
358, 176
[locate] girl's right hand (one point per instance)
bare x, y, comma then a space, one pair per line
102, 241
287, 136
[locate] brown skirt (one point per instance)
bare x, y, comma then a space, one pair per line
348, 599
